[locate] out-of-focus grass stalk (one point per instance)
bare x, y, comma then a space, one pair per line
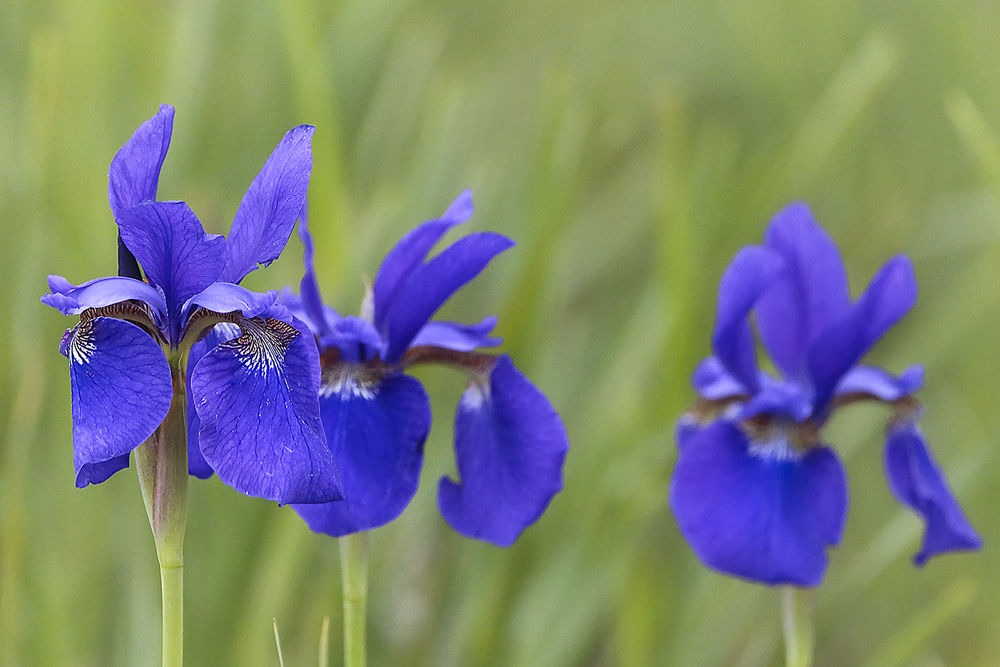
324, 643
797, 622
329, 201
354, 575
977, 136
277, 642
902, 647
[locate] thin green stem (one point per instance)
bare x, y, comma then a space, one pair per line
797, 617
161, 463
354, 575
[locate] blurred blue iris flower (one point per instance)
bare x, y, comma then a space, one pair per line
509, 442
254, 376
755, 491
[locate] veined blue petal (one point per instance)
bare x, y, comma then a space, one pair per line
227, 297
135, 169
459, 337
811, 294
881, 384
916, 480
220, 333
407, 255
767, 516
510, 445
751, 271
890, 295
258, 400
175, 252
431, 284
73, 300
270, 206
121, 392
376, 431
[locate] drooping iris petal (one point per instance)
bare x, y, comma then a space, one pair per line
881, 384
509, 449
121, 392
713, 382
752, 270
890, 295
174, 251
258, 400
766, 516
272, 203
409, 253
135, 169
376, 431
98, 293
220, 333
458, 337
430, 285
811, 295
916, 480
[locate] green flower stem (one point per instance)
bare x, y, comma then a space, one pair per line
354, 575
797, 616
163, 477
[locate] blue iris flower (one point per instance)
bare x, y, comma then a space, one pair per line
755, 491
509, 442
253, 376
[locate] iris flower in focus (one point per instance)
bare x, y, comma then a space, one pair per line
509, 442
755, 491
253, 376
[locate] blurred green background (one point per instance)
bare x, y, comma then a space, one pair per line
630, 148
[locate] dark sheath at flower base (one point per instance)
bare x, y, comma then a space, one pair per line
509, 442
253, 370
755, 491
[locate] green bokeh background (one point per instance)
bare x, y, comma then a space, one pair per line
630, 148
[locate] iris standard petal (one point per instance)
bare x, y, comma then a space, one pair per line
175, 252
762, 516
916, 480
220, 333
311, 303
510, 445
376, 432
410, 251
890, 295
356, 339
100, 292
458, 337
272, 203
751, 271
811, 295
135, 169
257, 399
881, 384
121, 392
430, 285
